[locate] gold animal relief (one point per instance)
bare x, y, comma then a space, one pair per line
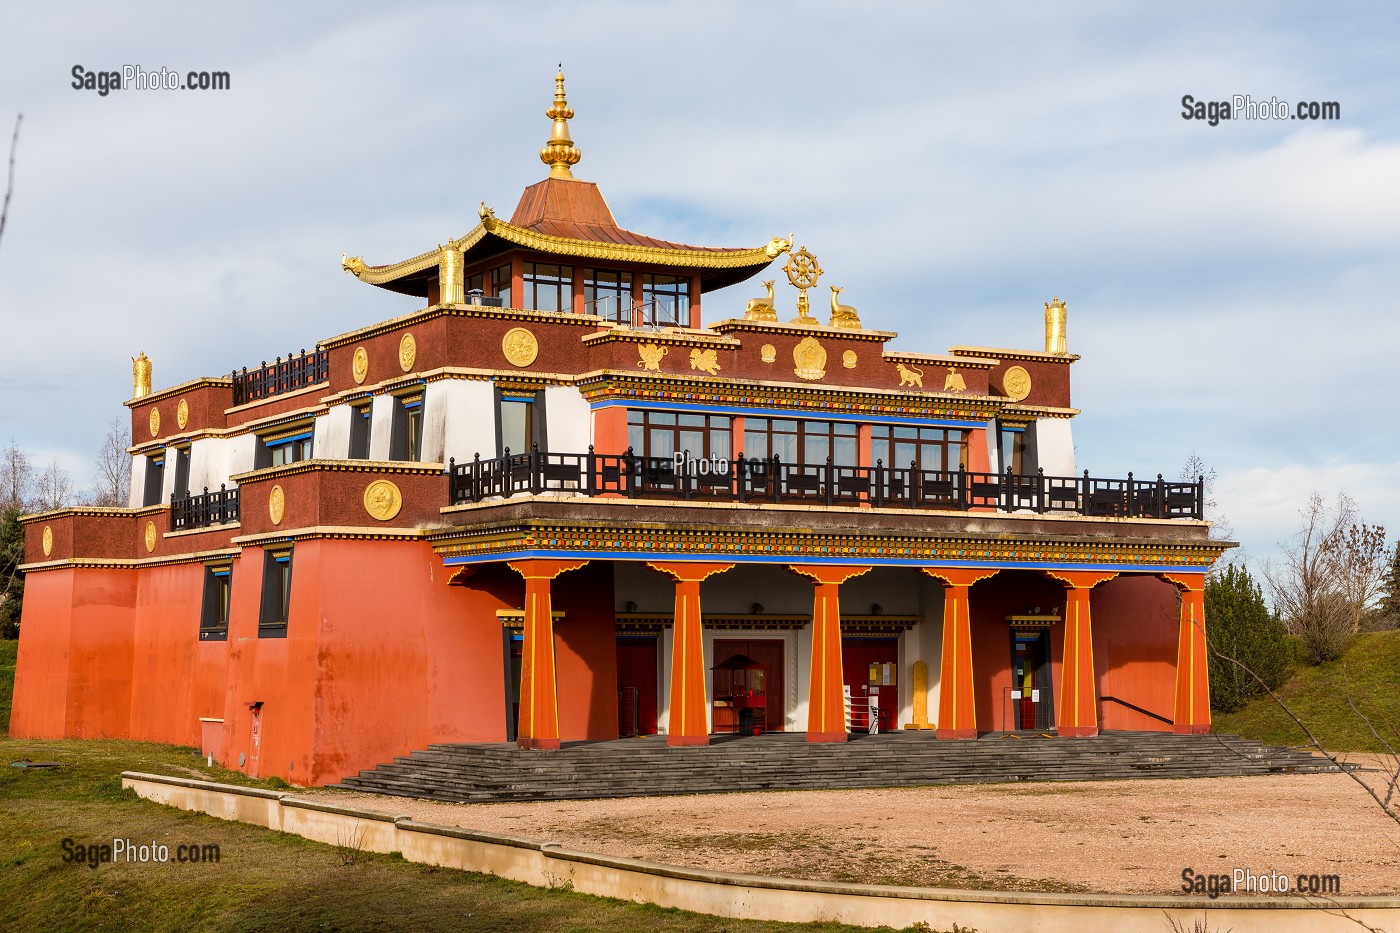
810, 359
276, 505
359, 365
1017, 383
954, 381
705, 361
910, 375
651, 355
383, 500
761, 309
182, 414
520, 347
408, 352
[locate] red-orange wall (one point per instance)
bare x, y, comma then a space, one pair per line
585, 652
41, 674
1135, 628
990, 601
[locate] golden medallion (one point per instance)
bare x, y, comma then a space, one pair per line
48, 540
182, 414
810, 359
1016, 382
408, 352
383, 500
150, 537
769, 353
155, 421
705, 360
848, 359
651, 355
520, 347
359, 365
276, 505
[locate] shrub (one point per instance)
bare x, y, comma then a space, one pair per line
1239, 625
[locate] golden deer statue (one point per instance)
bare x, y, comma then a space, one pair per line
761, 309
842, 315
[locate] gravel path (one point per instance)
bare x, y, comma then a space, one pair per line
1130, 837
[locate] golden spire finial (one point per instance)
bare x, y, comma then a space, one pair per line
560, 152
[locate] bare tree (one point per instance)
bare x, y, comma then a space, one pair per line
1331, 575
10, 185
53, 489
1194, 469
16, 476
112, 485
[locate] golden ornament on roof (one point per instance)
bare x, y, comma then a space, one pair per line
1056, 321
761, 309
842, 315
140, 375
560, 152
802, 270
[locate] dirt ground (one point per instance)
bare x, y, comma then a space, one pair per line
1128, 837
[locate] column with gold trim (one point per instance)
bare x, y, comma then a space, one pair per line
1078, 714
826, 695
957, 707
688, 724
1191, 711
538, 726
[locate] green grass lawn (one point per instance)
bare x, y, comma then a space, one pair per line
1317, 695
263, 880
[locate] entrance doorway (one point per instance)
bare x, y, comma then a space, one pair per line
637, 678
868, 666
513, 644
1031, 700
765, 683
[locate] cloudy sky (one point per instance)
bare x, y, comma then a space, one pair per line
1232, 289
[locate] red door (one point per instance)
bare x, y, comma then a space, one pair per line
637, 676
859, 658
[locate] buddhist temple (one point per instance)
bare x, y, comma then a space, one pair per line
571, 497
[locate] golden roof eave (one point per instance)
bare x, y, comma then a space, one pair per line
562, 246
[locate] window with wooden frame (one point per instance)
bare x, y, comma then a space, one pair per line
500, 285
520, 421
927, 448
155, 479
666, 300
667, 433
548, 287
608, 294
795, 440
281, 446
276, 593
406, 436
218, 594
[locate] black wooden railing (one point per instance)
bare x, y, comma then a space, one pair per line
295, 372
208, 508
771, 480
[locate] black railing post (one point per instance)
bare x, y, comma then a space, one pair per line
777, 479
536, 470
741, 478
451, 480
590, 486
632, 478
829, 484
1040, 490
1132, 509
506, 485
879, 498
1085, 501
1160, 499
1200, 507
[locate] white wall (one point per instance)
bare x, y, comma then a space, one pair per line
331, 440
468, 409
1053, 441
569, 421
138, 481
381, 427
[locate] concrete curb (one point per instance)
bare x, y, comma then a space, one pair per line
753, 897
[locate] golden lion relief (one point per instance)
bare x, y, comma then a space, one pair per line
910, 375
705, 361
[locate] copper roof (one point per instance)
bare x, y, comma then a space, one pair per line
576, 210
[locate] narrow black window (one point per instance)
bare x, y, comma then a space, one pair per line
155, 480
359, 433
520, 422
276, 594
182, 472
218, 589
406, 441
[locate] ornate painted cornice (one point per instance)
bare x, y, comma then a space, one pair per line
182, 388
940, 359
674, 336
625, 540
340, 466
1000, 354
820, 330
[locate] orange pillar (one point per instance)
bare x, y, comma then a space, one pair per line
539, 697
957, 709
1191, 713
688, 724
1079, 714
826, 695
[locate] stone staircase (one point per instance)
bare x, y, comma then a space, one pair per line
785, 761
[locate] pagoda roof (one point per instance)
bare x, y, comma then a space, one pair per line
568, 218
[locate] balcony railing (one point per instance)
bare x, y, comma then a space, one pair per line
269, 379
201, 511
771, 480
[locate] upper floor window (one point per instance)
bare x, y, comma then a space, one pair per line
285, 450
667, 433
218, 591
927, 448
548, 287
406, 440
359, 433
608, 294
500, 285
155, 479
1013, 449
182, 472
802, 441
666, 300
520, 422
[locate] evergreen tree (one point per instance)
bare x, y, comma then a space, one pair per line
11, 580
1239, 625
1390, 603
